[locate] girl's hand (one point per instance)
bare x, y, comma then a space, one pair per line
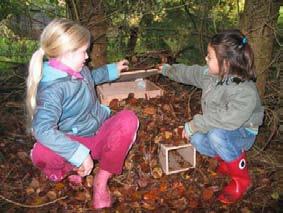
122, 65
159, 67
86, 167
184, 135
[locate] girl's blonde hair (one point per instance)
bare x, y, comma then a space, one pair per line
59, 37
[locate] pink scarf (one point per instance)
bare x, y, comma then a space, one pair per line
53, 62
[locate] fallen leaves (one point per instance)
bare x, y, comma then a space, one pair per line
148, 205
59, 186
142, 187
168, 135
82, 196
149, 111
151, 195
52, 195
143, 182
207, 193
156, 172
22, 155
38, 201
114, 104
163, 187
89, 181
193, 203
34, 183
179, 187
30, 190
180, 203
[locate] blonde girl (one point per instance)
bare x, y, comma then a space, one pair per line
70, 125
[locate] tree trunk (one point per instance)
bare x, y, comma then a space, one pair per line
132, 40
258, 22
91, 14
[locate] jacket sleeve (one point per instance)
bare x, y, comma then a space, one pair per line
105, 73
45, 129
240, 106
192, 75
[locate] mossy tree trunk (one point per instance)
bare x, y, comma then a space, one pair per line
91, 13
258, 22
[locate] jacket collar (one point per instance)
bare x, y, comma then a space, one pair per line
53, 62
230, 79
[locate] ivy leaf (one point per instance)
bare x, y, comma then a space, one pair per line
275, 195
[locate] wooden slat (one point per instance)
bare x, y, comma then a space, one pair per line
132, 75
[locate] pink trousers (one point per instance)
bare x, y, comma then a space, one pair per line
109, 146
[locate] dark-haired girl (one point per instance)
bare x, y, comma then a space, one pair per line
231, 107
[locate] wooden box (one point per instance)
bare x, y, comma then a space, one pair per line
121, 90
174, 159
136, 74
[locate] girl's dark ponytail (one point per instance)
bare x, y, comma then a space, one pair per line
234, 54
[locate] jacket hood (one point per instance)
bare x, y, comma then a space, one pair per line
50, 73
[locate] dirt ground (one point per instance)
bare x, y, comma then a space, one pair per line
143, 186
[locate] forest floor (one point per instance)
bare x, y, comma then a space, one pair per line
142, 187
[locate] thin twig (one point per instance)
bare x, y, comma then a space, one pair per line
31, 206
120, 182
75, 10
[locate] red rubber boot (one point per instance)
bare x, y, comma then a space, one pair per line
101, 193
240, 181
221, 167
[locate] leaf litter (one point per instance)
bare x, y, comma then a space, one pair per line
142, 187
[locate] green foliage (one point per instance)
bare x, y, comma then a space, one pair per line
225, 10
280, 19
15, 51
10, 7
16, 40
179, 26
24, 7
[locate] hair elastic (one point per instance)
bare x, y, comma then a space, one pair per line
244, 40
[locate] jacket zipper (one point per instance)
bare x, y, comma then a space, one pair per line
93, 99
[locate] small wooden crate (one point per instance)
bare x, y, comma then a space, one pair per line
183, 159
120, 90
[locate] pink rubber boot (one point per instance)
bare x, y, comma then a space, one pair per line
101, 193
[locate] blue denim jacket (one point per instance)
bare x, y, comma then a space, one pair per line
66, 105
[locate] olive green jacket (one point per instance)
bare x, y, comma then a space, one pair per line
228, 106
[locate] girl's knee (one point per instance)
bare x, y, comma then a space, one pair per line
197, 139
129, 113
194, 142
216, 136
130, 119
